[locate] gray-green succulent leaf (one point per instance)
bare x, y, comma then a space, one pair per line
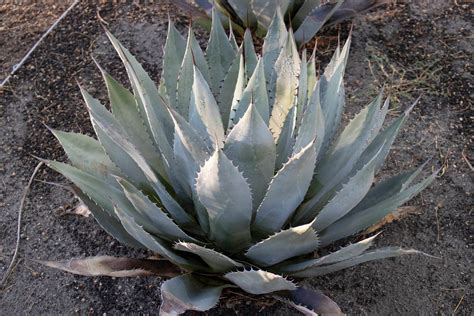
260, 281
187, 292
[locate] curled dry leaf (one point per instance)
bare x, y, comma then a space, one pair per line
115, 266
80, 209
396, 215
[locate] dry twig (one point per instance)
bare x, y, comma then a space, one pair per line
459, 304
467, 160
18, 230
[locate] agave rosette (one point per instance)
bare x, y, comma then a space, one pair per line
232, 170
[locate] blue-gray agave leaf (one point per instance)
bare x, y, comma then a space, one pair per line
216, 260
382, 253
280, 201
187, 292
250, 146
260, 281
226, 195
303, 239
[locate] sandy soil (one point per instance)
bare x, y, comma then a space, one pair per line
414, 49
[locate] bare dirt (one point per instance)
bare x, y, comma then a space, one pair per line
413, 49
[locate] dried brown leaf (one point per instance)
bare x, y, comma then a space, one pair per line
115, 266
80, 209
396, 215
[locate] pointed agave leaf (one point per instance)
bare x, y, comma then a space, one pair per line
249, 54
125, 110
150, 104
250, 146
332, 91
86, 154
293, 51
282, 86
190, 152
103, 121
115, 266
345, 199
342, 158
232, 39
380, 144
155, 244
186, 292
175, 210
185, 79
225, 194
217, 261
93, 187
219, 53
255, 92
259, 281
228, 116
384, 140
174, 52
202, 214
345, 253
311, 125
107, 220
382, 253
315, 20
303, 239
127, 156
381, 118
310, 302
281, 200
355, 222
193, 56
302, 88
153, 219
274, 42
312, 76
199, 58
204, 113
387, 188
286, 141
233, 84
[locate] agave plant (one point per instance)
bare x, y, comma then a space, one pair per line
232, 172
306, 17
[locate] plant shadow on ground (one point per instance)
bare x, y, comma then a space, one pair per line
410, 49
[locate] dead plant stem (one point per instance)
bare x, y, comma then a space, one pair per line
18, 229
